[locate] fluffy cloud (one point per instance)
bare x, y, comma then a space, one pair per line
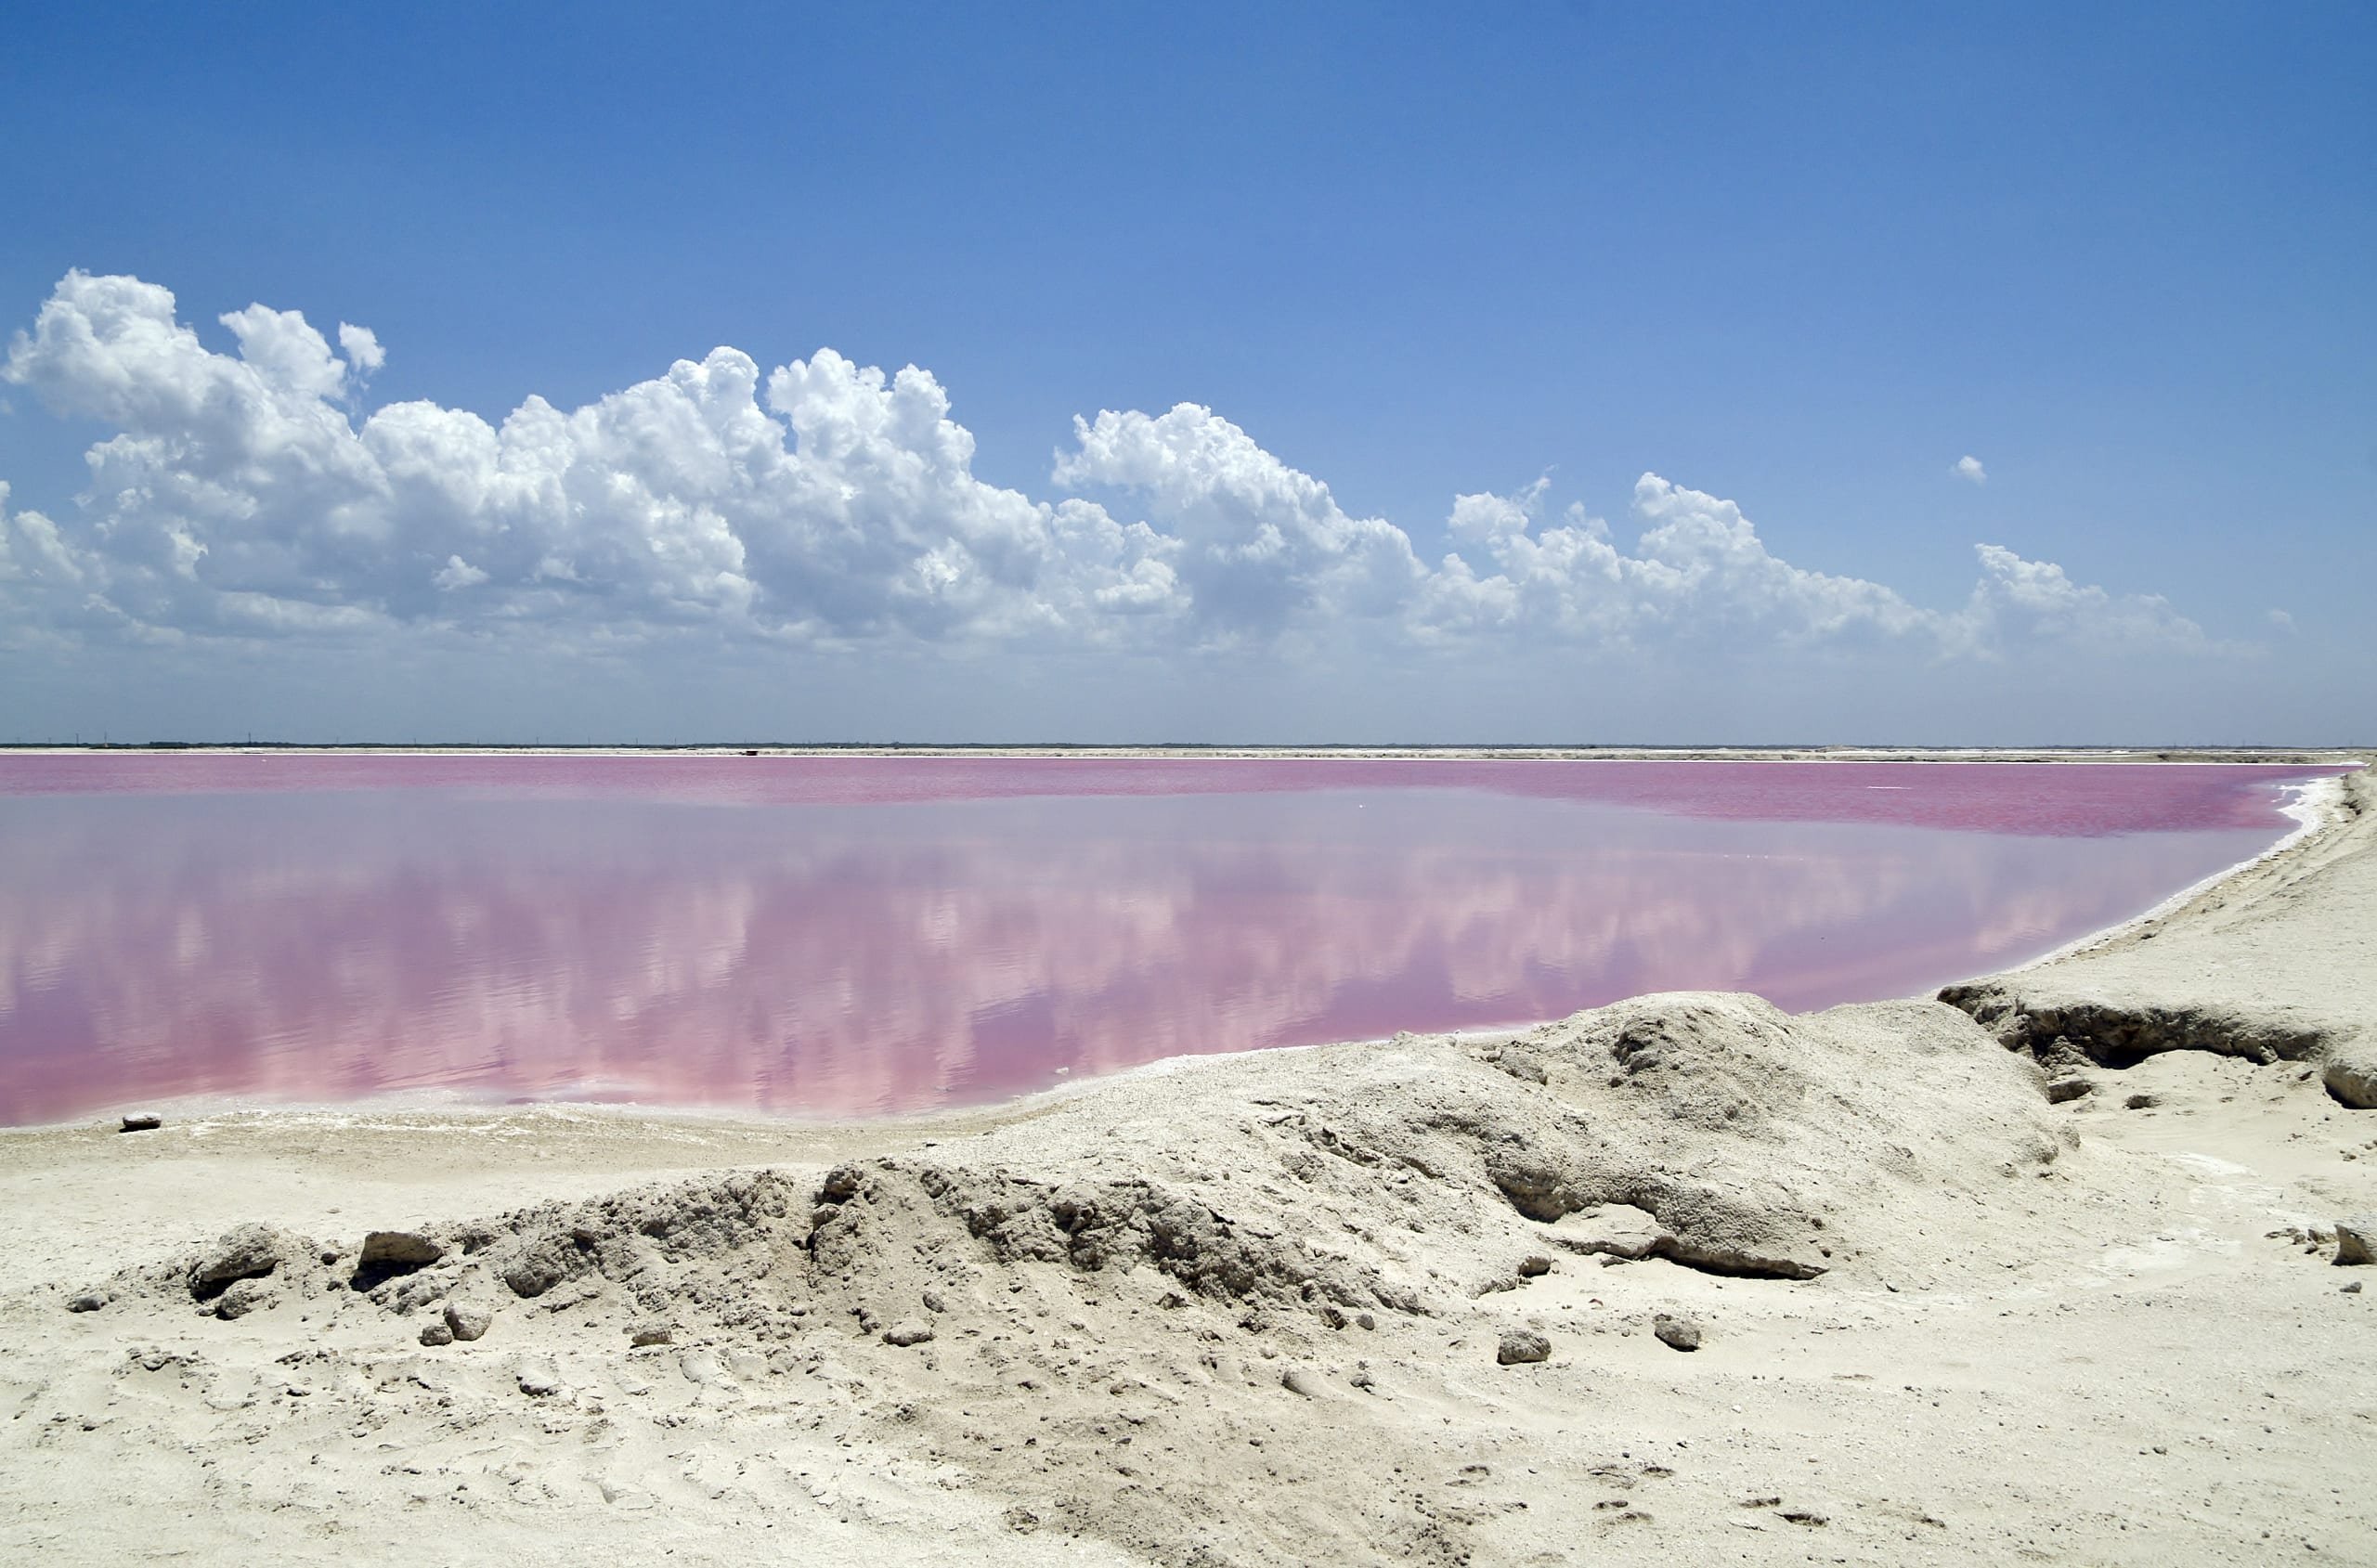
822, 502
240, 496
362, 347
1698, 570
1260, 543
1968, 469
38, 568
2019, 602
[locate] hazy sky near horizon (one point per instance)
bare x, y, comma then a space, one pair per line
1539, 373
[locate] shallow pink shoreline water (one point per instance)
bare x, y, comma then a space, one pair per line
2052, 799
839, 936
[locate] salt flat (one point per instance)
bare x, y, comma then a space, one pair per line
1282, 1307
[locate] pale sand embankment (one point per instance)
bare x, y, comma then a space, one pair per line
1247, 1310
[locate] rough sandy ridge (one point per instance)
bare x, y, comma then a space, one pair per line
2276, 963
1272, 1309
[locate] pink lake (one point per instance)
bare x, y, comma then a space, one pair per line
843, 935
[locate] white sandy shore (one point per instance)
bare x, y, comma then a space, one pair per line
1248, 1309
2143, 756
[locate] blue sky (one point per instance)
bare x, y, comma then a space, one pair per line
1796, 261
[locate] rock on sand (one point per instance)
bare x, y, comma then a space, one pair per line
1521, 1346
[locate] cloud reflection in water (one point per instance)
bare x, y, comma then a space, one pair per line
837, 959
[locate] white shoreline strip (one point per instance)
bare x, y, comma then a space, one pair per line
1913, 756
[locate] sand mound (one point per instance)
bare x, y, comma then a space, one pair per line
1151, 1316
1758, 1144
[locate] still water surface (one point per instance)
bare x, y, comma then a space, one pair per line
833, 936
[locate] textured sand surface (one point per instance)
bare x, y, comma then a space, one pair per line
1264, 1309
2276, 963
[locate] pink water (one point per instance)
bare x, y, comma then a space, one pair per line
834, 936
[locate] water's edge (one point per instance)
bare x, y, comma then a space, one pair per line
2316, 806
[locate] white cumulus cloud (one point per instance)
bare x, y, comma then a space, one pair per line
1698, 570
2019, 602
361, 345
457, 573
1968, 469
840, 503
244, 495
1258, 542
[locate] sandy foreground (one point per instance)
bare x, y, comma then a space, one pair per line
2048, 1274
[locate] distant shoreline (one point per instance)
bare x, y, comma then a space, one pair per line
2297, 756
